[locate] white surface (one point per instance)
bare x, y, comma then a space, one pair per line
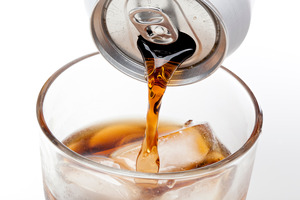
38, 37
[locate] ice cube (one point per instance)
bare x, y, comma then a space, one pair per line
190, 147
126, 156
79, 183
182, 150
104, 161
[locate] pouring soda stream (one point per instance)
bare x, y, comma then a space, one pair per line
160, 61
163, 49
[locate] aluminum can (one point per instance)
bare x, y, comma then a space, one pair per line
217, 26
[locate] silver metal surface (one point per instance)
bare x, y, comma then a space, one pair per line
154, 25
218, 27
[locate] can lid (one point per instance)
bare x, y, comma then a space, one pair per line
116, 36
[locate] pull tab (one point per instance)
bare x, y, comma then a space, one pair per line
154, 25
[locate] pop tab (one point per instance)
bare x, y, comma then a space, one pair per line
154, 25
218, 28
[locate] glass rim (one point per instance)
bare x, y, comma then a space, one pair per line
210, 169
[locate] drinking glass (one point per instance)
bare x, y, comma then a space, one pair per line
89, 91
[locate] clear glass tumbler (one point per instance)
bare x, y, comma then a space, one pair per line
89, 90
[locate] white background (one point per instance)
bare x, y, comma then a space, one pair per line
37, 37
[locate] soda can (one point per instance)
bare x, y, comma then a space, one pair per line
218, 27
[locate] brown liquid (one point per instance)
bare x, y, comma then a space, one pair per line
161, 61
115, 143
104, 139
